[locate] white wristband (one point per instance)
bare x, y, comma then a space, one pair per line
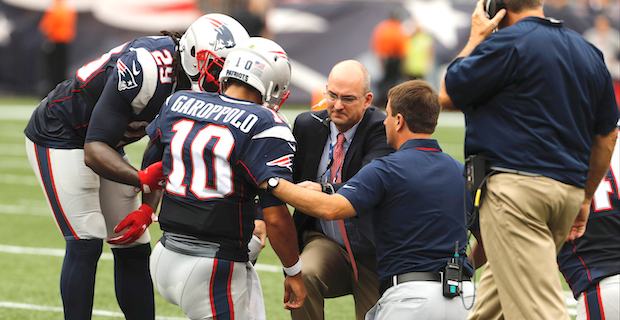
294, 269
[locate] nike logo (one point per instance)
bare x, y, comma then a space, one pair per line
135, 72
292, 146
346, 186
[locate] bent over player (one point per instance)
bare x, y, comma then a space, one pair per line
75, 141
217, 149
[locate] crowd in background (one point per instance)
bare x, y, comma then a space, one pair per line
407, 50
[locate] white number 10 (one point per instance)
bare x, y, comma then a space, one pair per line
213, 143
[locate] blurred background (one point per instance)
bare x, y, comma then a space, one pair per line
395, 40
316, 35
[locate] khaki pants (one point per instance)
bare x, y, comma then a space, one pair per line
327, 273
524, 222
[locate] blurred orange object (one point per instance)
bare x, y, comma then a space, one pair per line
321, 105
389, 38
318, 98
59, 22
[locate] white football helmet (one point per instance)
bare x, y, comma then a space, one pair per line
262, 64
204, 47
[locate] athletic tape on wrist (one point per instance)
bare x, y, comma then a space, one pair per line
294, 269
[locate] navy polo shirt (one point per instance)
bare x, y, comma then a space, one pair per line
534, 95
416, 200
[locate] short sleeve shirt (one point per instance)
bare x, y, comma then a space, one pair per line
534, 95
416, 200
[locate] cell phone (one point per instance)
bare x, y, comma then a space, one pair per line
491, 7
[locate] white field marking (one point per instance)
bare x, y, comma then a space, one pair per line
16, 112
104, 256
451, 119
13, 149
15, 305
44, 251
28, 210
14, 163
268, 268
26, 180
446, 119
12, 133
570, 301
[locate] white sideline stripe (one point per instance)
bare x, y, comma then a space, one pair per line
570, 301
446, 119
44, 251
104, 256
28, 180
29, 210
268, 268
16, 112
15, 305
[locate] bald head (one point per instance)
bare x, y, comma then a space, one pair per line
348, 94
353, 72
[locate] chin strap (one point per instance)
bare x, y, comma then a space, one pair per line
284, 97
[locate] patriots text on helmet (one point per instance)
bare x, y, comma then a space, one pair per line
200, 109
241, 76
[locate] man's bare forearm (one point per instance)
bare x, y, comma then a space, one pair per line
282, 234
108, 163
314, 203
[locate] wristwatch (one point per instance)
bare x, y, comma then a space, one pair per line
272, 183
327, 188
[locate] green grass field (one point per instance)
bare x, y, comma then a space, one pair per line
31, 246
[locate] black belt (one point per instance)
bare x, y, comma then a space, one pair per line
413, 276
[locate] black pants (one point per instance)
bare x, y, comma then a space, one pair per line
56, 62
391, 78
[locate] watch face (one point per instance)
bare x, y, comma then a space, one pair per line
272, 182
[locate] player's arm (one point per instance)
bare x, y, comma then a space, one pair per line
136, 223
153, 153
107, 126
600, 156
313, 203
109, 164
281, 230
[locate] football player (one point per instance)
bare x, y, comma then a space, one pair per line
75, 141
217, 149
591, 264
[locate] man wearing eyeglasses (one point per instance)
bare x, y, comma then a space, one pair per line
333, 145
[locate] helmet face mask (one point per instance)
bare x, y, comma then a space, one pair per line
209, 66
205, 45
263, 65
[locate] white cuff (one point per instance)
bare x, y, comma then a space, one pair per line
294, 269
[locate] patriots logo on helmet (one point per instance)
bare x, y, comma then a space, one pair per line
224, 39
126, 79
284, 162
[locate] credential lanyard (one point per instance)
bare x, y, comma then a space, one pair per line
330, 162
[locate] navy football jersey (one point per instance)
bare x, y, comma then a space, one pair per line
217, 150
121, 91
596, 255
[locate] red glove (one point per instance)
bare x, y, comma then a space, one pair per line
137, 222
151, 178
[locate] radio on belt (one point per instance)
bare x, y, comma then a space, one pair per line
452, 275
